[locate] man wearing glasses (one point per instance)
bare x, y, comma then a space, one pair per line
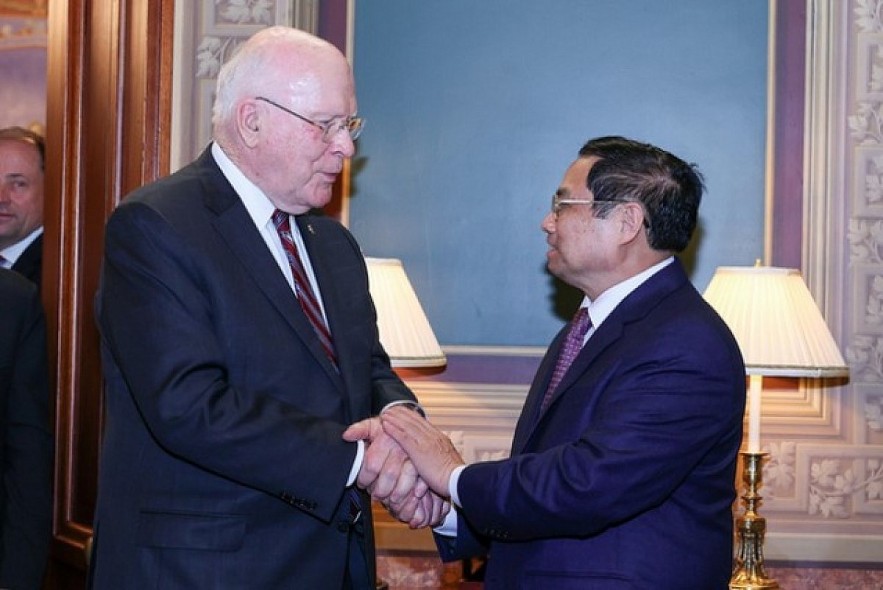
623, 461
239, 340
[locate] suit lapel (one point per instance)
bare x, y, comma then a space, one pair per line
531, 410
237, 229
30, 263
532, 415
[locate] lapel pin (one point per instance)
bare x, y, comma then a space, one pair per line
310, 228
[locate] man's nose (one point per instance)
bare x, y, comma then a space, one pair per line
343, 144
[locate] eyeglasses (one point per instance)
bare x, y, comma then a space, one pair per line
559, 204
352, 125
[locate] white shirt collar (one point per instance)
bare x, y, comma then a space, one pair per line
258, 205
261, 209
603, 306
12, 253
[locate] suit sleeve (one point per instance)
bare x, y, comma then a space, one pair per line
27, 460
466, 544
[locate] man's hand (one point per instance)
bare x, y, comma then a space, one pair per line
385, 472
392, 479
431, 452
428, 510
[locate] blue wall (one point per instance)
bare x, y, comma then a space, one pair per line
476, 108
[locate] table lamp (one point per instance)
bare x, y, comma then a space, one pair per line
404, 330
781, 333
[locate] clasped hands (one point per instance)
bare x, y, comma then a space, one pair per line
407, 465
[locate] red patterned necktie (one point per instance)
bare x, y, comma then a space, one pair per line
573, 343
302, 288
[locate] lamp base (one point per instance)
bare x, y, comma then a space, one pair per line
748, 572
754, 585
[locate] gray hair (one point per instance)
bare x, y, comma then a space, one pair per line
251, 69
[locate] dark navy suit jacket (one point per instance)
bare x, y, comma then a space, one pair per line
30, 263
626, 481
222, 463
25, 436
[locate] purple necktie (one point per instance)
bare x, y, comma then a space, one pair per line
573, 343
302, 288
3, 262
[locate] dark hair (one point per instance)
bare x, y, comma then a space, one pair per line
27, 136
668, 188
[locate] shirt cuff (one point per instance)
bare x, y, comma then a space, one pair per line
357, 464
448, 527
405, 402
452, 485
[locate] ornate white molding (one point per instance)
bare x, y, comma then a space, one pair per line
824, 213
822, 548
823, 494
864, 197
206, 34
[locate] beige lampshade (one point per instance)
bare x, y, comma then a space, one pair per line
778, 326
404, 330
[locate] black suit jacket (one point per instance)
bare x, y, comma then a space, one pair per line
25, 436
30, 263
222, 462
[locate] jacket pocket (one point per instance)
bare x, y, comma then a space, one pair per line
190, 530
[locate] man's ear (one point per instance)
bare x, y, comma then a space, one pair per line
248, 122
631, 219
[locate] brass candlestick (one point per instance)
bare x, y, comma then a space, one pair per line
748, 573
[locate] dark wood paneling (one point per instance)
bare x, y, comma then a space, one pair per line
108, 99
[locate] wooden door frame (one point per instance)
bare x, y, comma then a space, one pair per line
108, 117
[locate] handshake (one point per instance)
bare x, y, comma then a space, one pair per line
407, 465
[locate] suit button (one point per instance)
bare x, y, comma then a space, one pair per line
343, 526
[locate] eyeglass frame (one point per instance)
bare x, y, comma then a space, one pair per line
557, 201
352, 124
